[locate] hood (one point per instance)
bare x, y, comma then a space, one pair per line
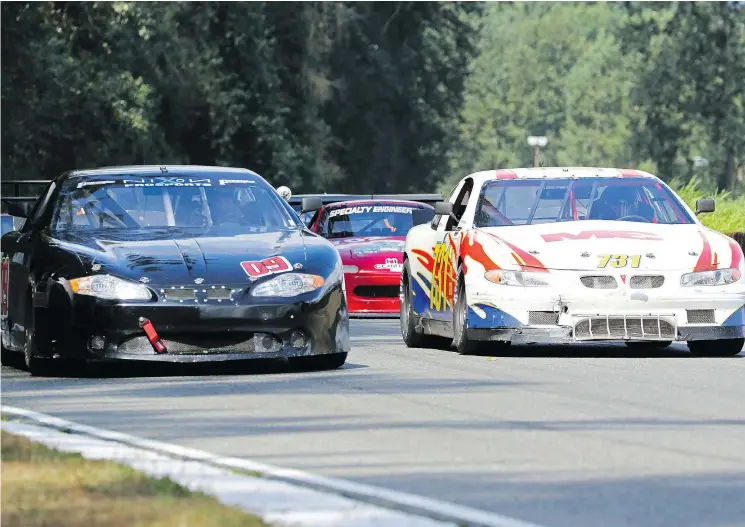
372, 251
170, 258
592, 245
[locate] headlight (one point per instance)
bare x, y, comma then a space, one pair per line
289, 284
351, 269
717, 277
519, 278
110, 288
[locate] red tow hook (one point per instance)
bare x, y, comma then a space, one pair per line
152, 335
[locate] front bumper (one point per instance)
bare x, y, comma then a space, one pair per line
533, 314
372, 293
208, 333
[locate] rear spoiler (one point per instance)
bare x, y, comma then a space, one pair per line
429, 199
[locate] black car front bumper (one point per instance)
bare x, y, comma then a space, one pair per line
106, 331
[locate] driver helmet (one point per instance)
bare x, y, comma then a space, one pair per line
620, 201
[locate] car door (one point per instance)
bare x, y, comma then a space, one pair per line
20, 250
442, 242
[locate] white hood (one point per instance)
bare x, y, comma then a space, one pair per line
582, 245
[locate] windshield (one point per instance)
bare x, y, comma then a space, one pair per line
375, 220
175, 201
529, 202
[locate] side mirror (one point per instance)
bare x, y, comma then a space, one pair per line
311, 204
705, 205
18, 208
443, 208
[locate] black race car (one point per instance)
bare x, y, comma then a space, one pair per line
176, 263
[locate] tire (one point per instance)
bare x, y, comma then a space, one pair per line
36, 366
652, 344
411, 336
460, 321
331, 361
716, 348
7, 357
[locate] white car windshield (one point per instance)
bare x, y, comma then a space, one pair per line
530, 202
218, 204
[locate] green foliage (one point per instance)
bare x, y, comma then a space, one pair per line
315, 95
729, 216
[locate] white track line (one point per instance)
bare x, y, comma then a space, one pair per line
401, 501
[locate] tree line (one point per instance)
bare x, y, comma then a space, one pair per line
373, 96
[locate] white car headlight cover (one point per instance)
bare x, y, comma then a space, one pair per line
715, 277
518, 278
288, 284
110, 288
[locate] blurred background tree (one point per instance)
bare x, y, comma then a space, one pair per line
375, 96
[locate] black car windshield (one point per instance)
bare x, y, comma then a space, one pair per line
374, 220
529, 202
134, 202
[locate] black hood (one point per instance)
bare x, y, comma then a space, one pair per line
178, 257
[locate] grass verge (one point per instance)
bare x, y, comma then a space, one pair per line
42, 487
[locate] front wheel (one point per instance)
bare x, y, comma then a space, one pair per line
716, 348
460, 321
34, 364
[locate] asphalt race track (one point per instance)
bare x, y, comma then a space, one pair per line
559, 436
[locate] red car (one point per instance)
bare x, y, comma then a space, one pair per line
370, 236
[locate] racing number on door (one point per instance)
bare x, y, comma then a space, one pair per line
275, 264
619, 260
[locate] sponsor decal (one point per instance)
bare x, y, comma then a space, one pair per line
392, 264
442, 289
586, 235
365, 209
168, 182
257, 269
236, 181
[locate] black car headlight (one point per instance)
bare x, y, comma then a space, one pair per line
110, 288
289, 284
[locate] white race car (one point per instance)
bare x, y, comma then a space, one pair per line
568, 255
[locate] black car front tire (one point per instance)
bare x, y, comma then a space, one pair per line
331, 361
35, 365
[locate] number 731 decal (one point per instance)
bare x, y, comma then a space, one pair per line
619, 260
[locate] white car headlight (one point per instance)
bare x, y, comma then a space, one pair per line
519, 278
716, 277
110, 288
288, 284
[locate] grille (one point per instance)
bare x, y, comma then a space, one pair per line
219, 294
377, 291
180, 294
624, 327
543, 318
646, 282
700, 316
599, 282
197, 344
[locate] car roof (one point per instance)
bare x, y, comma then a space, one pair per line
339, 204
559, 173
157, 170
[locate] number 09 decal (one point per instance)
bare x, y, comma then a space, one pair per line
619, 260
259, 268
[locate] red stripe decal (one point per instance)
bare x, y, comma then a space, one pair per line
524, 259
706, 260
475, 250
736, 254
